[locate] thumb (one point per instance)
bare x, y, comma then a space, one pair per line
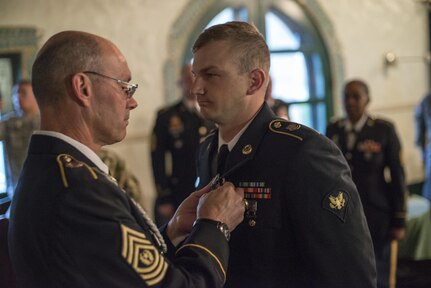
201, 192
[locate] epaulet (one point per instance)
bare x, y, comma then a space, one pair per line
380, 121
67, 162
285, 127
336, 120
163, 110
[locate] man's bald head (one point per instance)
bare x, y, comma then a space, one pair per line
63, 55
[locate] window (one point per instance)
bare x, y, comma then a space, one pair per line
9, 71
299, 63
17, 50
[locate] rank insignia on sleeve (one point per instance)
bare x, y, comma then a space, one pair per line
337, 202
143, 256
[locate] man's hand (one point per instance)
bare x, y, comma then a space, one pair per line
224, 204
166, 210
397, 233
181, 223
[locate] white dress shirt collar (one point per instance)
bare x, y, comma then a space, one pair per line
90, 154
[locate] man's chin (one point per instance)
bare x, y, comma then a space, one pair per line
206, 113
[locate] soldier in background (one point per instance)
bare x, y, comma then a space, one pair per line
176, 136
118, 170
372, 148
423, 140
16, 129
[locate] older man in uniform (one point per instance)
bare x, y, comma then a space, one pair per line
304, 225
71, 224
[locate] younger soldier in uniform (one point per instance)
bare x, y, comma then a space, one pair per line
304, 225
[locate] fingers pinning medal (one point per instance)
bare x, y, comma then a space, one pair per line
217, 181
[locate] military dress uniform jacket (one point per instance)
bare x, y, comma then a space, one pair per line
376, 148
72, 226
304, 226
177, 132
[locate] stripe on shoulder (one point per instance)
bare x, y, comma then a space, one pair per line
286, 128
67, 162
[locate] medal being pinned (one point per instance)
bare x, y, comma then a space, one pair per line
252, 192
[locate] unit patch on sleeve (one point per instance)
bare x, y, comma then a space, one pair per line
143, 256
337, 202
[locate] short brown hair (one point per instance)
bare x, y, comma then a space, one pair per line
244, 38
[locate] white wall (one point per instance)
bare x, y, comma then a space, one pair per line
365, 29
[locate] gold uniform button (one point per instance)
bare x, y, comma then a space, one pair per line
247, 149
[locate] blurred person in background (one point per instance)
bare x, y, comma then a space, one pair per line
177, 133
371, 147
16, 129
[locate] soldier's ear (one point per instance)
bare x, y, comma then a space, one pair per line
257, 79
81, 88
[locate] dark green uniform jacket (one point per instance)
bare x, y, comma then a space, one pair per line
305, 225
377, 148
72, 226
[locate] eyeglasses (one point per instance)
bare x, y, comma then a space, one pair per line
129, 88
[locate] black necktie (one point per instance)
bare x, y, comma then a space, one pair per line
221, 158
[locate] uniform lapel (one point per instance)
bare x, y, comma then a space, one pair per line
364, 132
342, 136
247, 146
206, 159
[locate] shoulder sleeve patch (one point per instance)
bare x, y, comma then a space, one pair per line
285, 127
66, 161
337, 202
143, 256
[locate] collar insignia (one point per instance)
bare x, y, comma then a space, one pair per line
247, 149
202, 131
